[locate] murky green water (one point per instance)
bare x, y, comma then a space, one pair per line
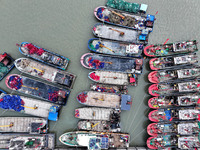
64, 26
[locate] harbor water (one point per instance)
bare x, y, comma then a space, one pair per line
65, 26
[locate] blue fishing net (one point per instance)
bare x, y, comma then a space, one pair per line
12, 102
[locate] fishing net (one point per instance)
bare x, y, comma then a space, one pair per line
95, 63
33, 49
82, 97
122, 5
12, 102
94, 76
15, 82
53, 95
3, 70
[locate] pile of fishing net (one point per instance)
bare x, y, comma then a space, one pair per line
53, 95
94, 76
82, 97
95, 63
12, 102
122, 5
33, 49
15, 82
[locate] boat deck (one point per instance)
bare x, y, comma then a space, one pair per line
45, 72
43, 90
112, 77
42, 110
93, 113
22, 124
104, 31
103, 99
47, 140
119, 64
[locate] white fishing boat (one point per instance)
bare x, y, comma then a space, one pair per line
117, 78
95, 113
29, 106
103, 99
27, 141
32, 125
95, 140
45, 72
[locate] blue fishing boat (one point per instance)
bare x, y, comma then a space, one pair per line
120, 34
115, 48
124, 19
43, 55
6, 64
114, 63
38, 89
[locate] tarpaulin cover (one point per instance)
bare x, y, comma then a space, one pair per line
125, 102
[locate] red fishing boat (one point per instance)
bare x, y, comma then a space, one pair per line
172, 61
171, 48
174, 141
182, 128
174, 88
175, 114
173, 75
174, 101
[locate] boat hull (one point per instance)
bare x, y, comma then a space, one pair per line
111, 47
117, 64
170, 49
29, 106
127, 20
45, 72
31, 125
47, 57
120, 34
37, 89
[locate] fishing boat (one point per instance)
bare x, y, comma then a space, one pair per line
168, 49
174, 101
174, 141
124, 19
116, 78
27, 141
175, 114
174, 75
172, 61
110, 32
43, 55
181, 128
174, 88
115, 48
95, 140
109, 88
96, 113
29, 106
102, 99
98, 125
127, 6
31, 125
6, 64
114, 63
38, 89
45, 72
